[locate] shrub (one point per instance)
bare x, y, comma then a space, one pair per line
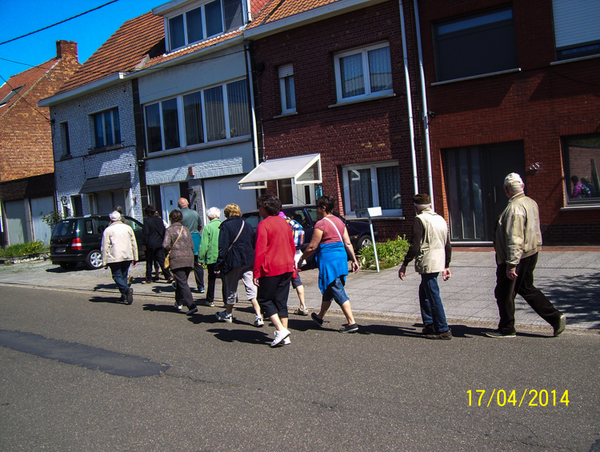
390, 254
23, 249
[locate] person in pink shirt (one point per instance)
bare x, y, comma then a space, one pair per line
273, 266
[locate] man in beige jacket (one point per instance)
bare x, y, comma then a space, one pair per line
518, 237
119, 250
431, 249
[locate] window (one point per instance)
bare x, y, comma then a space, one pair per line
217, 113
204, 22
286, 88
10, 95
576, 30
581, 159
107, 129
363, 73
476, 44
372, 185
65, 139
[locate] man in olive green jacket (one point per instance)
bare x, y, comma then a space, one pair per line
517, 241
209, 251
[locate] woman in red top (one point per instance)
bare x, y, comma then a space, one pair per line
274, 265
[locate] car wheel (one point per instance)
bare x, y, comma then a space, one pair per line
364, 242
68, 265
94, 259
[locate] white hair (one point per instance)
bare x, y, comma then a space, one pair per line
213, 212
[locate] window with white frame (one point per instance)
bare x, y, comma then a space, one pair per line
581, 156
576, 30
107, 128
287, 89
203, 22
217, 113
477, 44
363, 73
372, 185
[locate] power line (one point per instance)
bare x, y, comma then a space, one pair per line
58, 23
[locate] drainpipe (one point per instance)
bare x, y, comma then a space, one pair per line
252, 104
424, 96
409, 102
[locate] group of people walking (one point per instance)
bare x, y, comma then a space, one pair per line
267, 262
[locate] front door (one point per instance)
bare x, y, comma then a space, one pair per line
474, 183
170, 196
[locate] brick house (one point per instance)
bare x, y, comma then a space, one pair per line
26, 163
332, 83
514, 87
96, 149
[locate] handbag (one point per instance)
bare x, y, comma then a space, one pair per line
167, 260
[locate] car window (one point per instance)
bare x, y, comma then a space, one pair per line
312, 211
253, 219
64, 227
89, 227
135, 226
101, 225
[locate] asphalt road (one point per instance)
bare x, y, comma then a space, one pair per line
80, 372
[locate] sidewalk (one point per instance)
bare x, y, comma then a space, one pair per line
570, 278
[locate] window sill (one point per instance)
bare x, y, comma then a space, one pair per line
574, 60
105, 149
576, 207
284, 115
65, 157
475, 77
199, 147
374, 219
361, 100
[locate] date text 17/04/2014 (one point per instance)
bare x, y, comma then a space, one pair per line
529, 397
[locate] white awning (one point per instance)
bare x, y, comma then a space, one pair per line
302, 169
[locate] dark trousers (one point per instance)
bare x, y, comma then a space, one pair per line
273, 292
155, 256
212, 280
183, 293
198, 273
506, 290
120, 271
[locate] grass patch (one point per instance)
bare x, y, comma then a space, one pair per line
389, 254
24, 249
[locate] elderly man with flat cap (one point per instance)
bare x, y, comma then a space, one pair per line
431, 249
517, 241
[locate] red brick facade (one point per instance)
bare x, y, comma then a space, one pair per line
536, 107
371, 131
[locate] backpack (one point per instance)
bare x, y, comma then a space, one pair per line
297, 230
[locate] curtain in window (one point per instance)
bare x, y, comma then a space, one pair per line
237, 103
361, 191
194, 25
232, 12
116, 125
215, 114
388, 186
99, 130
290, 93
192, 107
170, 123
176, 35
214, 18
108, 136
352, 77
380, 69
153, 132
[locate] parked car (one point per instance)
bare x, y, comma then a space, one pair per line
79, 239
359, 231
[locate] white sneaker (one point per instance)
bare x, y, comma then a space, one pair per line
258, 321
286, 341
178, 306
280, 336
224, 317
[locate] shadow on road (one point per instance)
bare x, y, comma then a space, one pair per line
245, 336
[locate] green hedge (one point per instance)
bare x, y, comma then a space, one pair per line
24, 249
390, 254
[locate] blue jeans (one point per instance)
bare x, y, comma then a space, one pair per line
432, 309
335, 291
119, 272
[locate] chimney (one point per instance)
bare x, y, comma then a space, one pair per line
66, 49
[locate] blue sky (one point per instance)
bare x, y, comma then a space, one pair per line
89, 31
